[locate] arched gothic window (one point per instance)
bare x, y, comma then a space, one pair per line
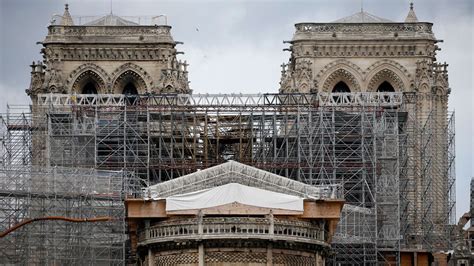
341, 87
130, 89
89, 88
385, 87
131, 93
130, 82
88, 82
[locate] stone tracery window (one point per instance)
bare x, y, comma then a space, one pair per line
386, 80
130, 89
341, 87
88, 82
89, 88
341, 81
385, 87
129, 82
131, 93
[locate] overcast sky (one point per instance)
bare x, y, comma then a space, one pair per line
236, 46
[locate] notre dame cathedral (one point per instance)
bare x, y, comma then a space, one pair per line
362, 102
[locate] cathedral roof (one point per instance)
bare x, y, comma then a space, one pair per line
111, 20
362, 17
411, 17
66, 18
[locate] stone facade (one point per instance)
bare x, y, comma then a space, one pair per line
108, 56
364, 53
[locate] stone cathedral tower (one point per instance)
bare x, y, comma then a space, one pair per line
365, 53
108, 55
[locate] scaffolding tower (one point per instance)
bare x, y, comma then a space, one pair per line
373, 144
61, 215
69, 200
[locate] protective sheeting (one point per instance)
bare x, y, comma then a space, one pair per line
230, 193
235, 172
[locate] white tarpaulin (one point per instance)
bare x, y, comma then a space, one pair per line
230, 193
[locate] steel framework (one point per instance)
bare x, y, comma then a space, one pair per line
57, 194
385, 153
53, 195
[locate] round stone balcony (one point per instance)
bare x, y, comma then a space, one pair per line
210, 228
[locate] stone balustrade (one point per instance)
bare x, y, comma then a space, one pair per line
107, 34
233, 228
105, 30
420, 28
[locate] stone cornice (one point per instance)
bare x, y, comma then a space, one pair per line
107, 53
351, 50
106, 34
361, 31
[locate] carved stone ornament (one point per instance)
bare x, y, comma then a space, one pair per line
143, 81
391, 71
54, 82
37, 80
341, 75
298, 80
174, 79
386, 75
88, 71
339, 70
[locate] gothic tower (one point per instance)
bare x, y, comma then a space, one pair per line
364, 53
101, 56
108, 55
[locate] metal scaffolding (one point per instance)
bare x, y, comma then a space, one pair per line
427, 185
61, 215
56, 196
370, 143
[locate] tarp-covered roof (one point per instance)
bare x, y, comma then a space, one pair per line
231, 193
235, 172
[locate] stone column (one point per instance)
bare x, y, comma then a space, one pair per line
150, 257
319, 261
201, 245
201, 254
151, 261
271, 230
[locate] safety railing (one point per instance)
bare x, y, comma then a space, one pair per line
372, 99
